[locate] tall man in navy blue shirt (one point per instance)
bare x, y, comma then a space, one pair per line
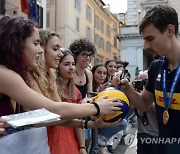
159, 29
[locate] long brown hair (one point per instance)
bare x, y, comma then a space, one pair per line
95, 84
65, 91
13, 33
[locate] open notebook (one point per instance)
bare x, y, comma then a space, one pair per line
36, 117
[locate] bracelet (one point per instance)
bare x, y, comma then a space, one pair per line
82, 124
86, 124
97, 108
82, 147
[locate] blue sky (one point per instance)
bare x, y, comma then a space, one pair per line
117, 6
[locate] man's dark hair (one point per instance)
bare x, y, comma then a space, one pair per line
160, 16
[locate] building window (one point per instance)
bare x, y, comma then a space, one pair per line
48, 19
102, 43
115, 25
49, 1
96, 40
97, 22
115, 58
108, 32
88, 13
88, 33
99, 41
108, 47
40, 16
102, 26
96, 60
78, 5
77, 24
2, 7
115, 41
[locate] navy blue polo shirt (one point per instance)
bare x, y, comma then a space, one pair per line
154, 85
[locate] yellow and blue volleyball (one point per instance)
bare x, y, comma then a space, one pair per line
112, 92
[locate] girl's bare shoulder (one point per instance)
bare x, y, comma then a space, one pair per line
7, 73
9, 77
89, 73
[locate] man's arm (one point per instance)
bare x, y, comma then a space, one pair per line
141, 101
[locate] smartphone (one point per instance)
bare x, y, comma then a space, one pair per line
124, 74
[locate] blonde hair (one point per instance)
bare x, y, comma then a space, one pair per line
46, 79
68, 91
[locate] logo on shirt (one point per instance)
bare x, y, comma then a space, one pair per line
158, 77
175, 103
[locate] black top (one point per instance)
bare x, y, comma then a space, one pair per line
6, 107
83, 88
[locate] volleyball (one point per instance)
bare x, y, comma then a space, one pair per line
112, 92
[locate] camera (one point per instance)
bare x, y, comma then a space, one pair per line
138, 84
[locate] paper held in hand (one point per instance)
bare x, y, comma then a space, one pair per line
35, 117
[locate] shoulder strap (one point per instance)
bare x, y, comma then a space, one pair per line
86, 75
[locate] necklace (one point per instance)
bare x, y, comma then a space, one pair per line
80, 78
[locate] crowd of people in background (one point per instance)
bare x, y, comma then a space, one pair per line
36, 72
42, 77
